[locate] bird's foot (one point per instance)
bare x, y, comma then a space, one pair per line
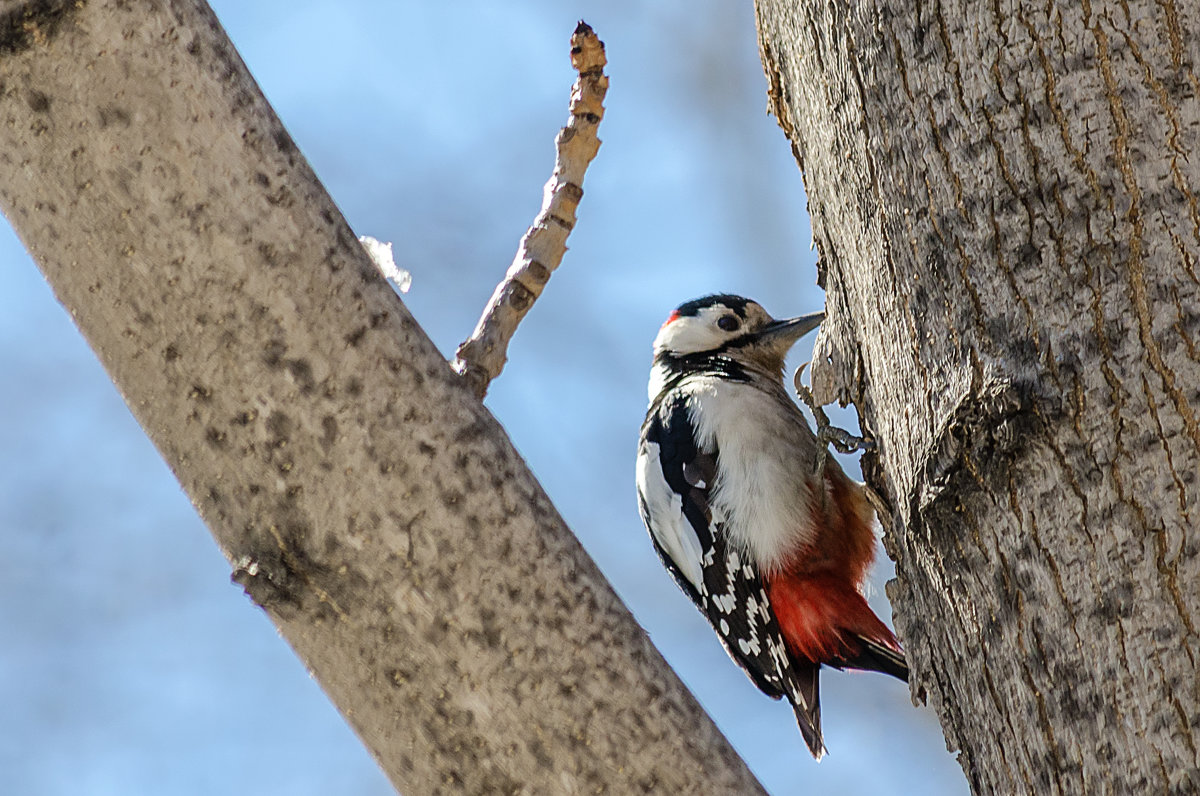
827, 433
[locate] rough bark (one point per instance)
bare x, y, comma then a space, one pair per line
1004, 198
368, 502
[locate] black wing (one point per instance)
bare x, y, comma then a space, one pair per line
724, 583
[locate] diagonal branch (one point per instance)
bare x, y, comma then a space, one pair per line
370, 505
482, 356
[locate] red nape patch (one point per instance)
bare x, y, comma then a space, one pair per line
820, 616
674, 316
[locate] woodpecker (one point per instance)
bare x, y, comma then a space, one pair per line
770, 547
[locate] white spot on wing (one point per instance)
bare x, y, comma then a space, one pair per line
665, 508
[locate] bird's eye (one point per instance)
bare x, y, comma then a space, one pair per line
729, 323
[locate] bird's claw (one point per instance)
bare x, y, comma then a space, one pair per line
827, 433
844, 441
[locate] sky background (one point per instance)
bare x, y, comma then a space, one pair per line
130, 664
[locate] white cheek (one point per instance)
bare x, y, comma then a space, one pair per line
686, 335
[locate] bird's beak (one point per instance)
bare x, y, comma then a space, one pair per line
784, 334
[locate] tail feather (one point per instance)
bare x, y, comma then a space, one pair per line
878, 657
805, 696
825, 619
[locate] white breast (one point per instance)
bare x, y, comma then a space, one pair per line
765, 466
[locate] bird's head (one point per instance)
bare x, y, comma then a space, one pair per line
730, 327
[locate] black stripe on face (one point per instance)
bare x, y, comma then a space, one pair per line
710, 363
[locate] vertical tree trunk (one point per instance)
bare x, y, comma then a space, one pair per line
366, 499
1004, 197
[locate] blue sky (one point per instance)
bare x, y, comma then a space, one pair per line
130, 664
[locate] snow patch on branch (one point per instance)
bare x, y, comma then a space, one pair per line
381, 254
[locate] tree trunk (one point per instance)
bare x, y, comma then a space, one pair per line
1004, 198
368, 502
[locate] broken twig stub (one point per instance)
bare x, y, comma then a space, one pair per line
481, 358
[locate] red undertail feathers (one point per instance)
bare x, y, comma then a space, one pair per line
826, 620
